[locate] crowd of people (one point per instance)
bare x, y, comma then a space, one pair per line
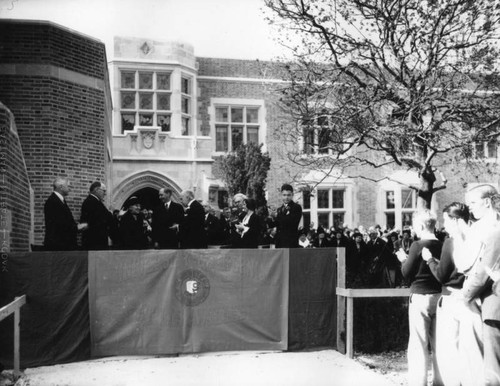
189, 224
453, 274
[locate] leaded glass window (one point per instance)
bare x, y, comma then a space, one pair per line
236, 125
145, 99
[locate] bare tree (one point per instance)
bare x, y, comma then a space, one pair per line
381, 82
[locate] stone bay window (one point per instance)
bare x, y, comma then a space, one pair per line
145, 99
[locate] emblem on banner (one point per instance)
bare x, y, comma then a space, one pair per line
192, 287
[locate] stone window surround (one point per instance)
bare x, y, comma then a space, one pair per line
177, 73
238, 102
347, 210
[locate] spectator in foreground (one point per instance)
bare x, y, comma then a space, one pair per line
457, 326
425, 292
478, 286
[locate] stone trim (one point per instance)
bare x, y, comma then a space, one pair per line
52, 71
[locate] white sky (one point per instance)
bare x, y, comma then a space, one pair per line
216, 28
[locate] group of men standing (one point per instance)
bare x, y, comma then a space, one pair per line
453, 308
173, 225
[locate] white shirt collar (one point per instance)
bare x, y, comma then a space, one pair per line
190, 202
59, 195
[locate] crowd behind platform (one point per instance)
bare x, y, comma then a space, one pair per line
190, 224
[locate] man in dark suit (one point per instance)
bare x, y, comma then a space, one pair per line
378, 254
225, 226
98, 218
192, 228
287, 220
212, 225
60, 226
166, 220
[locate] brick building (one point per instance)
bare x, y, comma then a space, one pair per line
161, 119
175, 113
55, 83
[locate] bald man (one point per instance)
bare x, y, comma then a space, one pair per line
192, 229
60, 226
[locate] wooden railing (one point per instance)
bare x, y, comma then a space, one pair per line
345, 303
15, 308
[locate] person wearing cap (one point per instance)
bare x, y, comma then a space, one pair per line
132, 232
98, 218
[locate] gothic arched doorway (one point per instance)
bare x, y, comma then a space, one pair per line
147, 181
148, 197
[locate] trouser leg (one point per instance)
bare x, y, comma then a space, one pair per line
491, 340
447, 327
470, 346
421, 314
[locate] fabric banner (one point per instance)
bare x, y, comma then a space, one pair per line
313, 303
55, 319
163, 302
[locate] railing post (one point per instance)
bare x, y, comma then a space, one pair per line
341, 301
17, 320
350, 328
15, 308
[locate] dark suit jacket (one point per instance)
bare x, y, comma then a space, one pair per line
287, 224
132, 233
60, 226
225, 230
99, 219
192, 229
162, 221
212, 229
250, 239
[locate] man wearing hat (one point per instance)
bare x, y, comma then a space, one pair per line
132, 232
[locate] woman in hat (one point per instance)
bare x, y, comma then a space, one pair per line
132, 232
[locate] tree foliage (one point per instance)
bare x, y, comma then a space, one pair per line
245, 171
381, 82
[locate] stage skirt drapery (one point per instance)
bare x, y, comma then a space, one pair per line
90, 304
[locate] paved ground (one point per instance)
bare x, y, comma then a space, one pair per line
316, 368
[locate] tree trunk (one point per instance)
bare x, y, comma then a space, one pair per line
426, 188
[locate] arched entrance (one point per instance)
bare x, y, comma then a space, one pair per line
148, 197
146, 183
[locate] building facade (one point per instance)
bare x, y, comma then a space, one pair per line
54, 82
156, 116
175, 114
